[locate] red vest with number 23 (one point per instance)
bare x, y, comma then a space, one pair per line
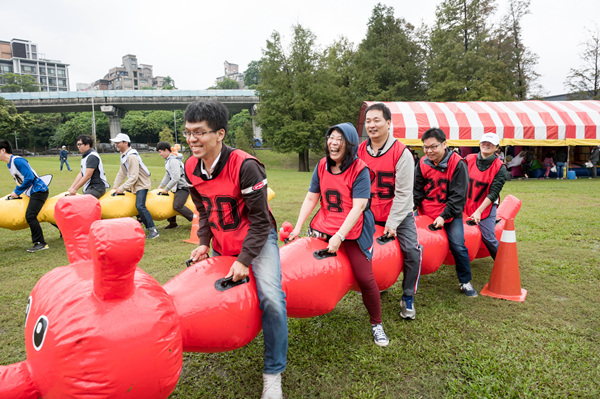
436, 187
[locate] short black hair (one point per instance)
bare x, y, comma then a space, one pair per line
387, 114
85, 139
214, 113
6, 145
436, 133
163, 145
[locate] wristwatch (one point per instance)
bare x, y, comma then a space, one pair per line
341, 236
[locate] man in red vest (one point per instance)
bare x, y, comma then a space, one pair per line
392, 195
229, 189
440, 192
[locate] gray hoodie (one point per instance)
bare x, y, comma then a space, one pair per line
175, 174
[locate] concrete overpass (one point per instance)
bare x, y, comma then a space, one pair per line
115, 103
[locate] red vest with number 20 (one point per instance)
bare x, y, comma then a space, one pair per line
223, 202
436, 187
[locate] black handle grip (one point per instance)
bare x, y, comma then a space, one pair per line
190, 262
323, 253
10, 198
433, 228
471, 223
113, 194
223, 284
498, 221
384, 239
161, 193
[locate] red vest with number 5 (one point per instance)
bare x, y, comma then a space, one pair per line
336, 199
479, 184
436, 186
383, 187
223, 202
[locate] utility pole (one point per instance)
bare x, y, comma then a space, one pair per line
93, 119
16, 141
175, 124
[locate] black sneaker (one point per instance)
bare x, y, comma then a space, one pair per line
171, 226
38, 247
152, 233
468, 289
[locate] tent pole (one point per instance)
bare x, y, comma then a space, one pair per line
568, 159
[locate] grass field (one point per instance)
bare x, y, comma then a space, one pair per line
548, 346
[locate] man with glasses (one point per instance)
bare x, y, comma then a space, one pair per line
440, 192
229, 189
92, 177
135, 177
392, 196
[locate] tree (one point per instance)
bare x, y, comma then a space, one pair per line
166, 135
297, 96
252, 74
77, 123
584, 82
464, 63
140, 126
228, 84
389, 61
14, 83
168, 84
338, 65
10, 120
245, 137
41, 132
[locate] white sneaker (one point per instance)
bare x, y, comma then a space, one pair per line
379, 336
272, 387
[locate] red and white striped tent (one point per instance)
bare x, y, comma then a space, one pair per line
528, 123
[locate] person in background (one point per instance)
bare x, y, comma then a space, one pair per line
92, 176
31, 185
560, 159
392, 197
440, 192
487, 175
593, 161
548, 164
229, 189
63, 158
175, 182
528, 159
342, 182
135, 177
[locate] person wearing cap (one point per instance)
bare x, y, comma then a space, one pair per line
92, 177
392, 197
134, 176
487, 175
440, 192
63, 158
175, 182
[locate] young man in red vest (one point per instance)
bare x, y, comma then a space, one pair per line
440, 192
392, 195
487, 175
229, 189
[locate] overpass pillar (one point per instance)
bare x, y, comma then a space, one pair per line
114, 114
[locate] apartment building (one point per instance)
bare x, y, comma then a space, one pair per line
23, 57
232, 72
131, 76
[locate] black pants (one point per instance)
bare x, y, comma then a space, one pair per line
36, 202
181, 196
96, 193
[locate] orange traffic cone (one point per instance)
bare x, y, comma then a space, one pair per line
505, 281
194, 232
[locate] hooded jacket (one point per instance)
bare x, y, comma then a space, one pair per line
361, 186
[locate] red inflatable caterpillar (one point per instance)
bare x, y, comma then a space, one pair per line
102, 327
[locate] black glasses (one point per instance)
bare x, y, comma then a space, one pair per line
79, 144
433, 147
195, 134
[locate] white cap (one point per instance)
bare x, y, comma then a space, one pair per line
64, 146
490, 138
121, 137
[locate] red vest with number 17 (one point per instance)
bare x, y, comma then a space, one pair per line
223, 202
479, 184
436, 186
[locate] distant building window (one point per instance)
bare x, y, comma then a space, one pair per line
43, 81
53, 89
134, 74
128, 79
28, 69
5, 68
42, 71
144, 82
61, 72
51, 71
52, 81
62, 82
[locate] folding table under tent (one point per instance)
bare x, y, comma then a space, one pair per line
518, 123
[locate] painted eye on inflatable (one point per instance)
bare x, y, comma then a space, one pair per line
28, 309
39, 332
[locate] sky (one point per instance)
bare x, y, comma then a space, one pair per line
189, 41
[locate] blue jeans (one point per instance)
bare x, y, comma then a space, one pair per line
488, 232
559, 170
456, 240
64, 161
140, 205
266, 268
